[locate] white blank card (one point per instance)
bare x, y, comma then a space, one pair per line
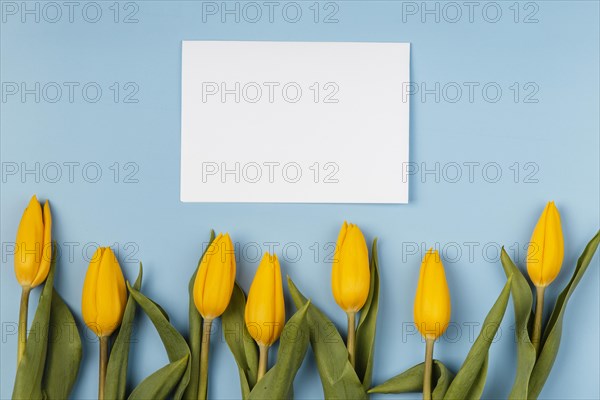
297, 122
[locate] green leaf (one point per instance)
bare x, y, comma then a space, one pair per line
162, 310
365, 334
195, 333
442, 378
337, 375
175, 345
522, 302
240, 343
116, 371
470, 379
162, 382
411, 381
30, 371
553, 330
408, 381
278, 382
64, 351
478, 384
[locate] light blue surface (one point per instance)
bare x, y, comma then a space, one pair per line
558, 135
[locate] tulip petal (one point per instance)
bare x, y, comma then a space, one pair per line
46, 256
219, 280
546, 249
89, 306
29, 243
195, 331
215, 278
111, 295
104, 295
350, 276
265, 311
199, 285
279, 301
432, 301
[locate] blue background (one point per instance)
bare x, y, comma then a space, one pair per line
555, 142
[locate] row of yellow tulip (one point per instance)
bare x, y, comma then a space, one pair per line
105, 293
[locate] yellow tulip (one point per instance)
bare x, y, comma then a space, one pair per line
34, 244
215, 279
350, 275
432, 309
546, 248
432, 300
212, 292
33, 253
265, 309
545, 255
104, 294
351, 278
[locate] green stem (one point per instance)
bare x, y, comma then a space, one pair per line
263, 361
23, 323
428, 368
103, 365
537, 324
351, 343
203, 385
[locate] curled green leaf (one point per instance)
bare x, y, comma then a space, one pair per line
523, 302
64, 351
195, 333
30, 372
338, 378
162, 382
553, 330
175, 345
411, 381
116, 371
470, 379
365, 333
293, 343
243, 348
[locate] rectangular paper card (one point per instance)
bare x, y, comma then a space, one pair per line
294, 122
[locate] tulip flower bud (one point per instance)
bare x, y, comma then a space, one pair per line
215, 278
265, 309
104, 294
34, 245
350, 275
546, 249
432, 300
